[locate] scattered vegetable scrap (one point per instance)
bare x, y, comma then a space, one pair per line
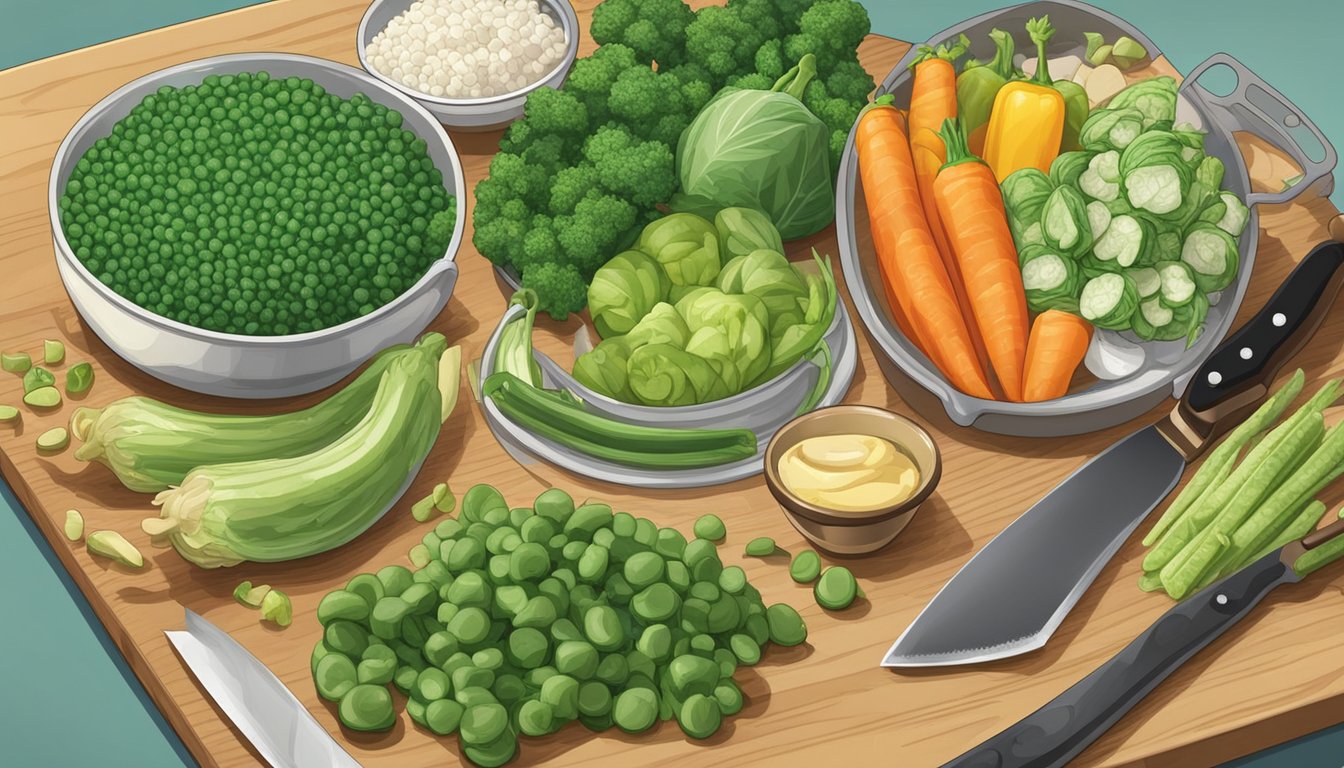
74, 525
114, 546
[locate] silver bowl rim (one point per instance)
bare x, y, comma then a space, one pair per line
569, 23
67, 254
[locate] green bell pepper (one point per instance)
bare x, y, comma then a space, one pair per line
978, 84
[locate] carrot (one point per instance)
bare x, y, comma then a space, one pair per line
907, 256
1057, 345
933, 100
972, 208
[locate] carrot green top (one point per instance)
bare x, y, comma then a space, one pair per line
954, 139
949, 51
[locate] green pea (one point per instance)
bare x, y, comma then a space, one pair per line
449, 528
320, 651
727, 662
520, 515
346, 637
555, 505
529, 562
587, 519
786, 626
729, 697
678, 575
724, 615
573, 550
455, 662
640, 665
473, 696
602, 627
635, 710
646, 532
528, 647
688, 674
508, 688
594, 699
613, 669
498, 568
470, 625
695, 614
509, 600
367, 586
488, 658
745, 648
655, 603
431, 684
470, 590
733, 580
564, 629
618, 590
419, 555
334, 676
535, 718
836, 589
495, 753
535, 677
480, 500
605, 537
763, 546
670, 543
463, 554
576, 658
483, 724
561, 693
806, 566
710, 527
416, 709
442, 716
435, 573
593, 564
623, 525
472, 676
395, 579
367, 708
421, 597
699, 716
596, 723
538, 613
376, 671
643, 569
757, 628
385, 619
703, 590
537, 530
655, 642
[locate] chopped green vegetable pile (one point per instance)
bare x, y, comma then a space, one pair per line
1133, 231
256, 205
526, 619
577, 177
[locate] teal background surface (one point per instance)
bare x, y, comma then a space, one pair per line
68, 697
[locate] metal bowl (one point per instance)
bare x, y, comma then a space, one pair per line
481, 114
235, 365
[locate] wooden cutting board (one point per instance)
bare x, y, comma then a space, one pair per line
1276, 676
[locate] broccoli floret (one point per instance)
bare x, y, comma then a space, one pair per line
668, 129
770, 59
439, 233
723, 42
789, 12
837, 26
601, 226
524, 181
539, 245
499, 238
553, 113
849, 80
654, 29
752, 81
560, 288
571, 185
590, 79
761, 15
639, 171
640, 97
697, 86
551, 153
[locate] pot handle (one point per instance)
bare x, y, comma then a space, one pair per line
1259, 108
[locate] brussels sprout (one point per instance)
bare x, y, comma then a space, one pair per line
1211, 254
1032, 234
768, 276
1156, 322
1051, 281
664, 375
1234, 220
1210, 171
685, 245
1098, 218
742, 320
1154, 98
624, 290
1213, 212
1189, 136
789, 343
1024, 195
603, 369
1156, 179
1067, 167
1108, 301
1111, 129
743, 230
1146, 281
1101, 180
662, 325
1127, 241
1178, 284
1064, 221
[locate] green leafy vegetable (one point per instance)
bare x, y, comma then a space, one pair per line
743, 230
624, 290
687, 247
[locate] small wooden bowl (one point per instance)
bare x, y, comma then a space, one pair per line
853, 533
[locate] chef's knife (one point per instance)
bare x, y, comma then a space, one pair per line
1054, 734
1014, 592
255, 700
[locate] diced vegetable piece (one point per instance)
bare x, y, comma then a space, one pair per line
1111, 129
114, 546
1127, 241
1108, 301
1064, 221
1098, 218
1068, 166
1154, 98
1211, 254
1157, 189
1100, 55
1095, 41
1146, 280
74, 525
1051, 282
276, 607
15, 362
1104, 82
1234, 219
1126, 52
1101, 180
762, 546
36, 378
43, 397
8, 413
53, 352
251, 596
54, 439
1178, 284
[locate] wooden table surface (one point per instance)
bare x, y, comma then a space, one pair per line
1276, 676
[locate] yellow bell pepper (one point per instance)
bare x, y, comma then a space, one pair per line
1027, 121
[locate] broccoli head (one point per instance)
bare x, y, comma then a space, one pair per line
601, 226
724, 42
555, 113
640, 97
560, 288
770, 59
571, 185
590, 79
696, 84
640, 171
752, 81
439, 233
655, 30
539, 245
848, 80
836, 27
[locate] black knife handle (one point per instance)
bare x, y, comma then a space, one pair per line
1240, 371
1058, 731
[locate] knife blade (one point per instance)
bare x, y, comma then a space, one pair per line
259, 705
1012, 595
1054, 734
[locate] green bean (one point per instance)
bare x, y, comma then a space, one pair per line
1181, 580
367, 708
1324, 465
1219, 463
710, 527
1319, 557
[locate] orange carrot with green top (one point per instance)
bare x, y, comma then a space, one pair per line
1057, 344
909, 260
933, 99
972, 208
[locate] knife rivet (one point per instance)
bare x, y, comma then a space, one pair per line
1215, 378
1279, 319
1221, 599
1245, 353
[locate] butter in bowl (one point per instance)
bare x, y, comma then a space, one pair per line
851, 477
